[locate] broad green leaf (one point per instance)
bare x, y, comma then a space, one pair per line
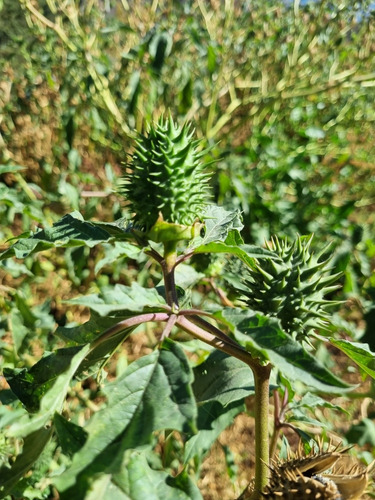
264, 338
30, 385
311, 401
112, 253
137, 481
90, 332
141, 482
119, 228
359, 353
234, 238
44, 387
121, 298
102, 351
247, 253
213, 418
302, 416
103, 487
153, 393
71, 436
33, 445
222, 378
218, 223
186, 276
70, 231
185, 483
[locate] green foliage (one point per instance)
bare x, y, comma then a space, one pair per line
266, 340
158, 391
281, 95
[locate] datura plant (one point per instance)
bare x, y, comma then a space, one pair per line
283, 302
166, 178
293, 288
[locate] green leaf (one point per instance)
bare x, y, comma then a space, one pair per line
186, 276
137, 481
31, 385
222, 236
33, 445
247, 253
90, 332
223, 379
359, 353
71, 436
70, 231
153, 393
121, 298
265, 339
115, 252
100, 354
19, 330
213, 418
140, 481
311, 401
218, 223
234, 238
44, 386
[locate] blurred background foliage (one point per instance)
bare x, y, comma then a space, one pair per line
282, 91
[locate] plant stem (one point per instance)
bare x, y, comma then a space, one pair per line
262, 387
279, 412
129, 323
168, 266
277, 427
223, 343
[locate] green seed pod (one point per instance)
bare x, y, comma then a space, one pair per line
293, 288
165, 178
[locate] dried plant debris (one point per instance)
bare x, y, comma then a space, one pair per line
322, 475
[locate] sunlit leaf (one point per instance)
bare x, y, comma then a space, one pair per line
44, 387
121, 298
153, 393
218, 223
265, 339
359, 353
137, 481
113, 253
247, 253
70, 231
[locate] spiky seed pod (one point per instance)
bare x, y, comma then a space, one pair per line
292, 288
350, 477
165, 177
292, 486
306, 477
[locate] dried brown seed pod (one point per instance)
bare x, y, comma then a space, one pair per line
325, 475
